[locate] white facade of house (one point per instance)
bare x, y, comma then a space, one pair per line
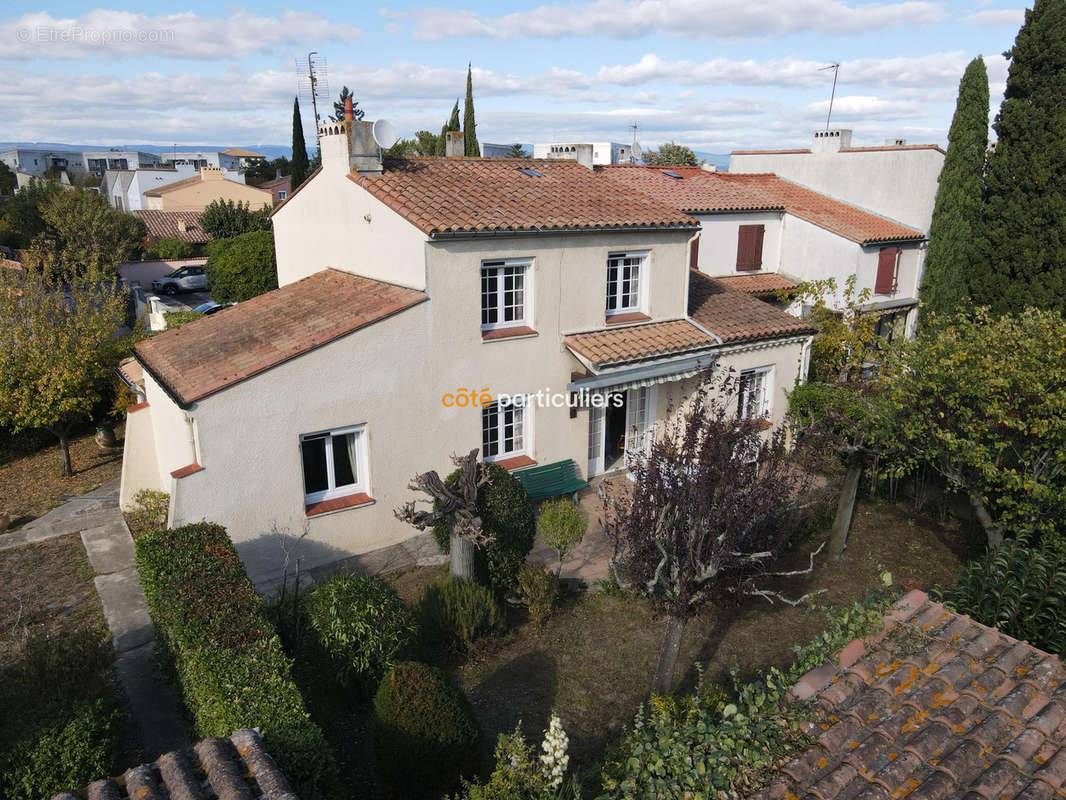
99, 161
598, 153
35, 162
895, 180
392, 380
202, 158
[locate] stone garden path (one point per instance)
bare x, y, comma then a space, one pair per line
154, 703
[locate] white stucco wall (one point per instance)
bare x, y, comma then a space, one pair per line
332, 222
897, 183
720, 235
140, 467
172, 430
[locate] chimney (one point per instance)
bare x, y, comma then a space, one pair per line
895, 142
348, 145
182, 227
831, 141
210, 173
349, 116
454, 144
584, 155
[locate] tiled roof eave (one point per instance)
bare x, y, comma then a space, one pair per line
655, 358
472, 233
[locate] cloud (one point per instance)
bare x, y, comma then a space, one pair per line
997, 16
120, 34
864, 107
714, 19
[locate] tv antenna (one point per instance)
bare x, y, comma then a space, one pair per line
836, 71
314, 84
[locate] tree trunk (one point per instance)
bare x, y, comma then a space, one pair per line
668, 652
462, 552
64, 449
838, 539
993, 531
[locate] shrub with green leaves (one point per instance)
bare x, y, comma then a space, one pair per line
225, 219
507, 515
701, 746
538, 590
424, 731
241, 268
228, 658
361, 625
562, 525
1019, 588
457, 613
170, 247
520, 774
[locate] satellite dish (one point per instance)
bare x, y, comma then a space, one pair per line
384, 134
636, 155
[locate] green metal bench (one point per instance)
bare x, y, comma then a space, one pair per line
551, 480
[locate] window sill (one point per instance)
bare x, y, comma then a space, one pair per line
338, 504
188, 469
515, 462
517, 332
633, 316
136, 407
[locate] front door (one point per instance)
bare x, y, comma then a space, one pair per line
597, 437
640, 411
621, 431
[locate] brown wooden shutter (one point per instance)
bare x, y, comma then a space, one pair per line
886, 270
749, 247
694, 254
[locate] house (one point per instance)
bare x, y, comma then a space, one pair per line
763, 234
235, 768
184, 225
245, 158
219, 159
99, 161
588, 153
896, 179
197, 192
279, 188
126, 189
426, 307
934, 706
34, 162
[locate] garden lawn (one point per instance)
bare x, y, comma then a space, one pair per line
33, 484
593, 662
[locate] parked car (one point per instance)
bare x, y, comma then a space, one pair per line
185, 279
210, 307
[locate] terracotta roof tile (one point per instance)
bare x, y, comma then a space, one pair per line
237, 768
712, 192
735, 315
968, 712
208, 354
161, 224
639, 342
474, 195
758, 284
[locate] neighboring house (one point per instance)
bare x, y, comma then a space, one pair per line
197, 192
220, 159
34, 162
99, 161
587, 153
237, 768
184, 225
245, 158
410, 292
935, 706
127, 189
279, 188
762, 234
897, 179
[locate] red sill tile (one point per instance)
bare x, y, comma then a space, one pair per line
634, 316
507, 333
337, 503
188, 469
136, 407
515, 463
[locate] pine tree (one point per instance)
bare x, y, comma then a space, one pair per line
451, 125
298, 167
956, 221
338, 106
470, 145
1024, 244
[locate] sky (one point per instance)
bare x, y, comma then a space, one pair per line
715, 75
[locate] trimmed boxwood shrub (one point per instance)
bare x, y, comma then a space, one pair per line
228, 658
456, 613
507, 514
425, 733
361, 625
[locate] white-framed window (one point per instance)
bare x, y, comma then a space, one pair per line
504, 431
625, 272
282, 194
334, 463
506, 293
756, 392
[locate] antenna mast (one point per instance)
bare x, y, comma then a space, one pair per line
313, 83
836, 71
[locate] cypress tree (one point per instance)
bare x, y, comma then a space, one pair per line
451, 125
1024, 244
957, 212
470, 145
298, 167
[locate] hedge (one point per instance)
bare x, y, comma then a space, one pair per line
241, 268
229, 660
